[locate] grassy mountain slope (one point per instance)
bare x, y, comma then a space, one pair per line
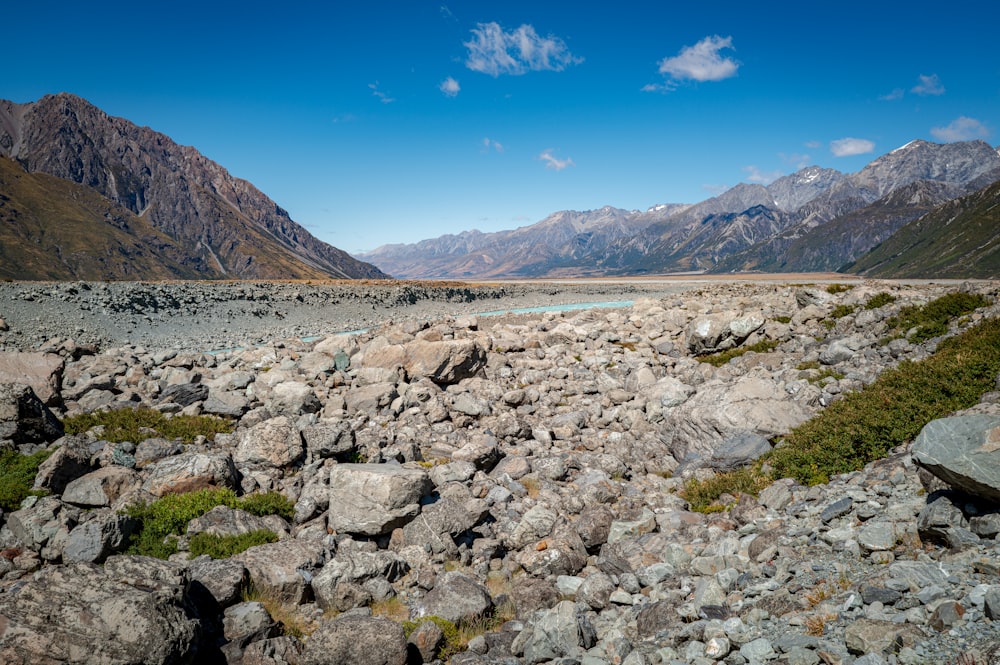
960, 239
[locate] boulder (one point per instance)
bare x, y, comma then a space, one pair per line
188, 472
82, 613
70, 460
374, 499
184, 394
455, 597
24, 418
42, 372
101, 488
285, 568
963, 451
95, 540
274, 443
443, 362
560, 632
354, 568
718, 332
355, 639
721, 410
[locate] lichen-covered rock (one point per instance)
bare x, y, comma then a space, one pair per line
81, 613
359, 640
963, 451
455, 597
188, 472
275, 442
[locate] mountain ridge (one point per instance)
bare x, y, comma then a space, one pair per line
230, 227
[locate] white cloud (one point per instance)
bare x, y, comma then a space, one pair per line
383, 97
929, 85
849, 147
554, 163
715, 189
494, 51
961, 129
758, 176
449, 87
701, 62
813, 145
490, 144
897, 93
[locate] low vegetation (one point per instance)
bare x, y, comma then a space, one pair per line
17, 475
458, 636
722, 357
142, 423
164, 520
834, 289
864, 426
223, 547
919, 323
880, 299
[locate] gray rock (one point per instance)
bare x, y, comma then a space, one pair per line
103, 535
560, 632
329, 439
250, 621
292, 398
101, 488
225, 403
838, 508
24, 418
275, 443
184, 394
596, 591
223, 579
738, 450
81, 613
439, 522
284, 569
188, 472
874, 594
455, 597
359, 640
940, 516
964, 451
355, 568
991, 602
374, 499
870, 636
224, 521
284, 650
70, 460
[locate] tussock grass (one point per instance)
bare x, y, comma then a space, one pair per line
142, 423
722, 357
702, 494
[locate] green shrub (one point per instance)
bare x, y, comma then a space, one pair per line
834, 289
865, 425
783, 319
223, 547
142, 423
721, 358
17, 475
880, 300
932, 319
701, 494
163, 520
840, 311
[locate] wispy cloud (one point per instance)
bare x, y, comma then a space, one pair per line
961, 129
449, 87
929, 85
849, 146
813, 145
490, 144
553, 162
897, 93
701, 62
495, 51
798, 160
754, 174
715, 189
383, 97
344, 117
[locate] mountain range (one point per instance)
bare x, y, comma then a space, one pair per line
813, 220
84, 195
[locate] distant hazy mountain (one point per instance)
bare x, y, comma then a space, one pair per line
814, 219
165, 196
959, 239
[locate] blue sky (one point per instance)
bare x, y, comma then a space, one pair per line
382, 122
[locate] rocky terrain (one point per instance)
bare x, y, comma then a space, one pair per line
515, 474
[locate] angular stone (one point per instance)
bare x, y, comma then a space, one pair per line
737, 450
184, 394
374, 499
329, 439
560, 632
101, 488
42, 372
455, 597
964, 451
292, 398
940, 516
871, 636
359, 640
285, 568
838, 508
81, 613
188, 472
223, 579
98, 538
275, 442
24, 418
224, 521
70, 460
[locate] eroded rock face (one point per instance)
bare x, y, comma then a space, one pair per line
41, 371
81, 613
